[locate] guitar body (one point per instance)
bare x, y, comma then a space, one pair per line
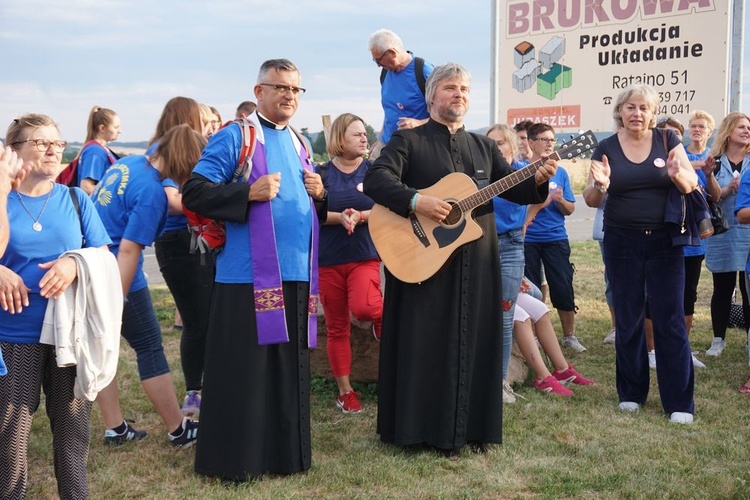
415, 248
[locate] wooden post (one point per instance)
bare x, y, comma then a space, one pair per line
326, 127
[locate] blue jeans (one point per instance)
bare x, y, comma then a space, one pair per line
142, 331
511, 265
634, 259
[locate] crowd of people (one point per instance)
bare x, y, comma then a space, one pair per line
297, 237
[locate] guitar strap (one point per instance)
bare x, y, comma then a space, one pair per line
480, 174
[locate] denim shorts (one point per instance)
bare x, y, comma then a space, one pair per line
142, 331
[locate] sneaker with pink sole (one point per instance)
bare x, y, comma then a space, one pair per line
552, 385
570, 375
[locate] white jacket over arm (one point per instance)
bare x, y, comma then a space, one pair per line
84, 323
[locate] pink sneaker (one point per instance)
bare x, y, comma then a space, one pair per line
571, 375
349, 402
550, 384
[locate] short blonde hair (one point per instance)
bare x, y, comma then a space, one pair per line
644, 91
725, 130
335, 146
20, 128
699, 114
508, 134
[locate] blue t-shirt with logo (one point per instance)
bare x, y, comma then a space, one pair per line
133, 206
549, 224
400, 96
28, 248
291, 208
508, 215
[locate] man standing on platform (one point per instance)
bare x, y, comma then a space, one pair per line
255, 412
402, 85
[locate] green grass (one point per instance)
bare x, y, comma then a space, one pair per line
553, 447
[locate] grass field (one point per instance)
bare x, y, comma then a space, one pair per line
553, 447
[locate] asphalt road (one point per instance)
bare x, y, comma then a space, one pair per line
579, 226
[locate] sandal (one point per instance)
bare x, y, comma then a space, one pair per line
745, 389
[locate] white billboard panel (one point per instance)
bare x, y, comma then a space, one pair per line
563, 62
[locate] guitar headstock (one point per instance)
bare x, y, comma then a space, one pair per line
578, 146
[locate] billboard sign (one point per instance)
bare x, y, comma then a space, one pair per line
564, 62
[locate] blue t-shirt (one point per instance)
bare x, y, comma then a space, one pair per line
743, 201
93, 162
400, 96
291, 208
28, 248
508, 215
133, 206
345, 191
176, 221
549, 224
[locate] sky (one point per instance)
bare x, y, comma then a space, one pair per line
63, 57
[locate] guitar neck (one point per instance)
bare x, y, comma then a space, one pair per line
487, 193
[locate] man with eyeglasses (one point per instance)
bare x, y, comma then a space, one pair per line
402, 88
255, 411
546, 239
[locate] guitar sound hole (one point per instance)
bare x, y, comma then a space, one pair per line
454, 216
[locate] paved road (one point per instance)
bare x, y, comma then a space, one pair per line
579, 229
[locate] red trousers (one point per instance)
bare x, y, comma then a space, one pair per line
349, 289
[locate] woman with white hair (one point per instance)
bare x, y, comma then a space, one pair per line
637, 167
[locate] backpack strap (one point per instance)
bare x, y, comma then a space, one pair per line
77, 206
245, 160
418, 73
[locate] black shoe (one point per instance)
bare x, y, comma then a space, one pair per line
129, 434
189, 434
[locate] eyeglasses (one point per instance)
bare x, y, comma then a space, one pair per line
283, 89
43, 145
548, 140
377, 60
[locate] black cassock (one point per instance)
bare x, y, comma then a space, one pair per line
440, 379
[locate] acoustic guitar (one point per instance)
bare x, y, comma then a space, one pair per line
414, 248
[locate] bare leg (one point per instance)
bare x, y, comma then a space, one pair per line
524, 335
612, 315
160, 390
688, 323
649, 335
545, 332
344, 384
108, 400
568, 322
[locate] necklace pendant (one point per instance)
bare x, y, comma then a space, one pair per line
36, 227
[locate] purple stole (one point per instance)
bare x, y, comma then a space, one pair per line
269, 297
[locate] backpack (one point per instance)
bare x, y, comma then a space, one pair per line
208, 235
69, 175
418, 70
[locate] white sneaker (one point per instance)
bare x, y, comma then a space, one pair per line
509, 397
572, 343
652, 359
697, 363
610, 338
717, 347
629, 407
679, 417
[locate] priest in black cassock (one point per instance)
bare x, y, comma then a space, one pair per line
440, 381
